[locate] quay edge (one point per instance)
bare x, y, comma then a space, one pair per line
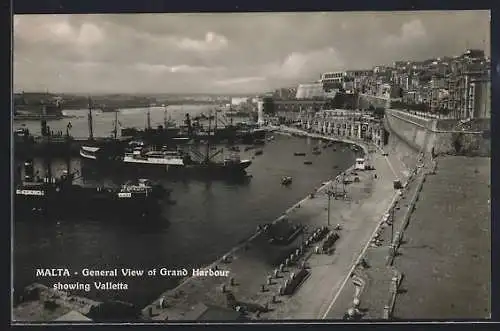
182, 298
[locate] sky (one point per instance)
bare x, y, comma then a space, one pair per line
226, 53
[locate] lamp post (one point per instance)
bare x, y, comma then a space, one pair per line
329, 194
392, 225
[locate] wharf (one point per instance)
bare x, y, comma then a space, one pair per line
251, 264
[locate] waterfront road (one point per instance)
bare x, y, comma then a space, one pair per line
360, 216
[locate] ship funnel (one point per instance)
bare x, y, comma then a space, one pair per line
29, 172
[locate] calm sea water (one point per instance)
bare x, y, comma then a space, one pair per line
207, 219
103, 123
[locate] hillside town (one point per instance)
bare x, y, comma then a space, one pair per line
458, 87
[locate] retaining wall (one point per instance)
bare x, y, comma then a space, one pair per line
441, 136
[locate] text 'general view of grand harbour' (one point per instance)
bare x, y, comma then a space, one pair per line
252, 166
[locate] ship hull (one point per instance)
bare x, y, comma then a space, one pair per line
87, 207
194, 170
88, 202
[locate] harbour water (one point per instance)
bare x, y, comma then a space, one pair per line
206, 220
103, 123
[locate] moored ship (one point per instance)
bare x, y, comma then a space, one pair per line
55, 197
175, 161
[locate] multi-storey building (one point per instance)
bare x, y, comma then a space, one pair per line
469, 95
333, 78
479, 98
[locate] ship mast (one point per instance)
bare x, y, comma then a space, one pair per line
164, 117
207, 157
115, 128
91, 129
215, 129
149, 118
43, 120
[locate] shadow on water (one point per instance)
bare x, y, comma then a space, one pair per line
147, 224
92, 172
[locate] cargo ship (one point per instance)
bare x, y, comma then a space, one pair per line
186, 160
54, 197
173, 161
245, 133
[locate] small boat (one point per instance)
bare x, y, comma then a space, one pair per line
259, 152
299, 154
307, 162
287, 180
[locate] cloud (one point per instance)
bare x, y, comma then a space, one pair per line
226, 52
212, 42
411, 32
57, 32
240, 80
183, 68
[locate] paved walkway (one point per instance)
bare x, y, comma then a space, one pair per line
359, 217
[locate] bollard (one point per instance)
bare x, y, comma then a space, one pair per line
216, 267
387, 312
355, 302
269, 280
273, 299
287, 262
292, 257
223, 288
307, 243
282, 267
262, 288
276, 273
231, 281
297, 252
160, 303
286, 283
316, 249
237, 308
280, 290
292, 275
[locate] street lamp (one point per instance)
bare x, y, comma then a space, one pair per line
392, 247
330, 193
392, 225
